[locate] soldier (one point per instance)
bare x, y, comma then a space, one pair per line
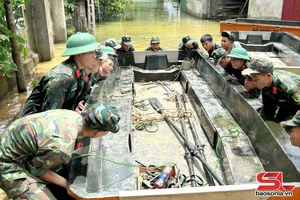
220, 57
238, 58
228, 41
35, 150
126, 44
280, 92
292, 127
188, 43
250, 86
113, 43
208, 44
63, 86
154, 44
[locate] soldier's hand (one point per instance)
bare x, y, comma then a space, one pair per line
80, 107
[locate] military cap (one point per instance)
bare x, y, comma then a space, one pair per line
295, 121
126, 40
102, 117
258, 65
228, 35
218, 54
154, 40
187, 40
80, 43
240, 53
113, 43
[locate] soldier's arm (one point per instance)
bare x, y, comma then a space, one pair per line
52, 177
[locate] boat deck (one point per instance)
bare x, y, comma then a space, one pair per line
238, 143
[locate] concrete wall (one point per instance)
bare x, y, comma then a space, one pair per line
198, 8
265, 9
59, 21
39, 28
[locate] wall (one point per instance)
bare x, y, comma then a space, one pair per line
198, 8
266, 9
39, 28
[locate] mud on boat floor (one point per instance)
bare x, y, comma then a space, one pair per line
156, 144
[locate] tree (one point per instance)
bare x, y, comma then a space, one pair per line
11, 46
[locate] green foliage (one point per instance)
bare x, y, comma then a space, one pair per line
7, 66
111, 9
69, 7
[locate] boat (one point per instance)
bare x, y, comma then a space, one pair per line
248, 24
236, 142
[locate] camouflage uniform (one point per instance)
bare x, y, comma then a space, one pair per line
283, 95
64, 86
216, 46
44, 141
34, 144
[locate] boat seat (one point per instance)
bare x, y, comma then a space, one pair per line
254, 39
155, 62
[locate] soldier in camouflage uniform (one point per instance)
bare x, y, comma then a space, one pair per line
238, 59
228, 41
63, 85
35, 148
154, 44
126, 44
292, 127
250, 85
280, 91
187, 43
208, 44
113, 43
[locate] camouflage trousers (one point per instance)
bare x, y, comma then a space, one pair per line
21, 184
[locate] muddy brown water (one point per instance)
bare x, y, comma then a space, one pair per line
144, 20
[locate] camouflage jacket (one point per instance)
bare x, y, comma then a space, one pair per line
37, 143
284, 92
215, 46
61, 88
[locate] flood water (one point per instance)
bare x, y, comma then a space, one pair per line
143, 20
157, 18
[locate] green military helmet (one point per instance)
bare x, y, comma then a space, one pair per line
80, 43
295, 121
259, 65
240, 53
218, 54
113, 43
102, 117
109, 51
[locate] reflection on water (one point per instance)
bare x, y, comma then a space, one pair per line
143, 20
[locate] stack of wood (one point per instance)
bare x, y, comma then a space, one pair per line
231, 10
